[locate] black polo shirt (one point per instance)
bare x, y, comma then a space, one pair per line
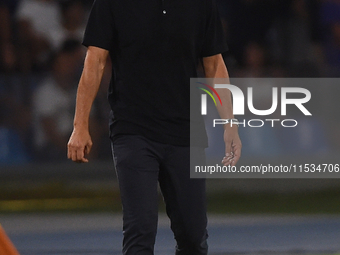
155, 47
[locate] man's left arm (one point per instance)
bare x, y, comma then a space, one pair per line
214, 67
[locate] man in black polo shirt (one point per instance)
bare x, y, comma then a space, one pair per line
155, 47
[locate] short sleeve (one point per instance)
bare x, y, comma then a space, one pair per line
100, 27
214, 40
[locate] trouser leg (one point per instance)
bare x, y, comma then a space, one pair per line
137, 170
185, 201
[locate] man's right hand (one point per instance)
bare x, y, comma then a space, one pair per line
79, 146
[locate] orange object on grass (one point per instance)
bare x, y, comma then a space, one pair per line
6, 246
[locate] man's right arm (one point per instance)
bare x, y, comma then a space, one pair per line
80, 142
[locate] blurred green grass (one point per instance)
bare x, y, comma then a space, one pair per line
81, 197
311, 202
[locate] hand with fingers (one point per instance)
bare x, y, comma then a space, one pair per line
233, 146
79, 146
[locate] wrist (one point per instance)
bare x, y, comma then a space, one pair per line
81, 125
231, 123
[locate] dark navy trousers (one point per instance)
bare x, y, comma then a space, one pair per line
141, 164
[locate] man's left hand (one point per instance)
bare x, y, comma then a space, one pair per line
233, 145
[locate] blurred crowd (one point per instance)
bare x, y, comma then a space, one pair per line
295, 38
41, 59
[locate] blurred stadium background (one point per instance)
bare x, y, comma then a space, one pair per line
40, 63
